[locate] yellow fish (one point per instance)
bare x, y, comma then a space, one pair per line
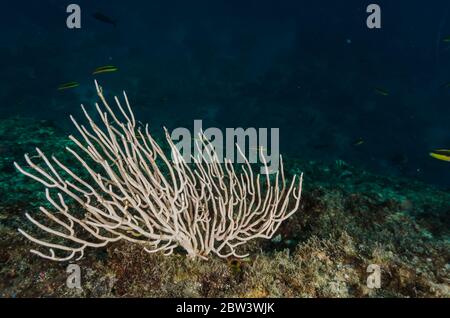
441, 154
68, 85
105, 69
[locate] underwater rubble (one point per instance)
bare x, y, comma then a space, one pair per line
349, 218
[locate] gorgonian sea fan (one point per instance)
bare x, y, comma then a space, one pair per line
131, 190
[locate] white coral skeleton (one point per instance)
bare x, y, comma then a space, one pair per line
136, 193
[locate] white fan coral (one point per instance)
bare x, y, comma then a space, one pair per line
135, 192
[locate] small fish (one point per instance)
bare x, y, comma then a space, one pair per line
68, 85
381, 91
446, 39
441, 154
105, 69
358, 142
105, 19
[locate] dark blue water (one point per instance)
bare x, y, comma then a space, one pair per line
308, 67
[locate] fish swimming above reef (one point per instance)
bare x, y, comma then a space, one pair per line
105, 19
358, 142
68, 85
381, 91
441, 154
105, 69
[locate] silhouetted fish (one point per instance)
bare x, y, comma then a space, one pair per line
358, 142
381, 91
105, 19
105, 69
68, 85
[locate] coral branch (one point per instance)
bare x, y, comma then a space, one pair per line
133, 191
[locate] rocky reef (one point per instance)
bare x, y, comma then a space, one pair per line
349, 219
